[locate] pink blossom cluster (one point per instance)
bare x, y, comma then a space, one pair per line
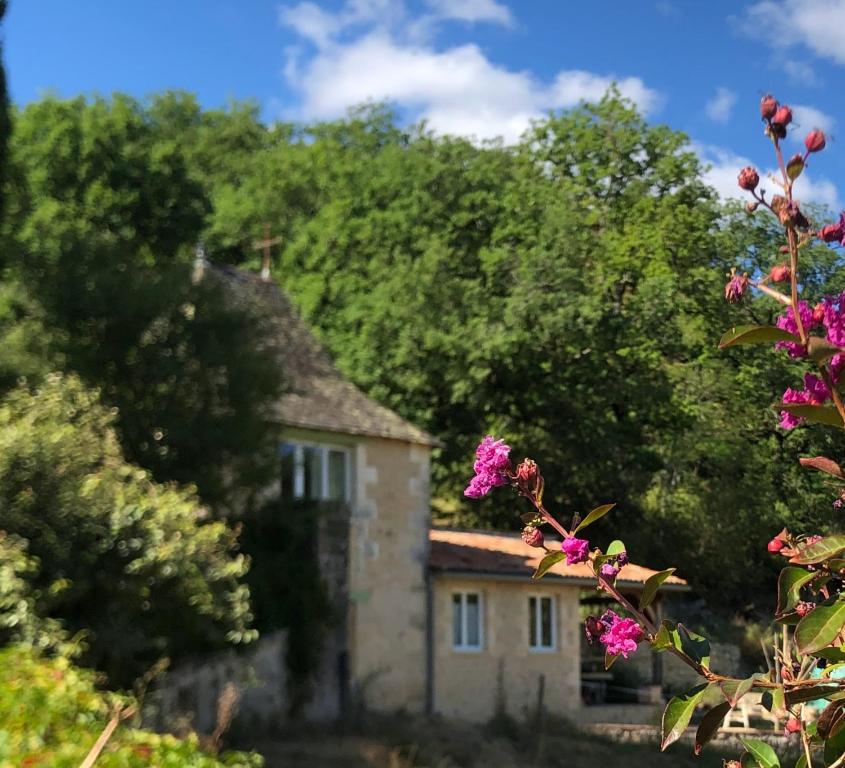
492, 467
577, 550
611, 568
618, 636
787, 323
830, 314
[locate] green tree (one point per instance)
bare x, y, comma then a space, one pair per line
103, 224
131, 563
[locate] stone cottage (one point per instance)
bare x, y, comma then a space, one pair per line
437, 621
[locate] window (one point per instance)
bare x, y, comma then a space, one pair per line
315, 472
466, 621
541, 623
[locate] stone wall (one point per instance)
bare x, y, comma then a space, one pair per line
189, 693
505, 673
387, 575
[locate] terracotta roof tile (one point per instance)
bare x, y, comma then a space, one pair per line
507, 555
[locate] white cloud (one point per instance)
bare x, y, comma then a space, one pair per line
725, 166
472, 11
805, 118
817, 24
720, 106
458, 90
800, 73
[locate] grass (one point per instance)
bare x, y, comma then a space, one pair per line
420, 743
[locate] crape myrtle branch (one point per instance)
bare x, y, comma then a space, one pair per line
810, 595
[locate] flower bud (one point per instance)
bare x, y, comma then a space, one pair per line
783, 116
533, 536
818, 314
815, 140
794, 167
528, 478
748, 179
768, 106
751, 206
780, 273
594, 628
775, 545
803, 608
736, 287
833, 233
793, 725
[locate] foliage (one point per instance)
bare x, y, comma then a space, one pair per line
809, 660
51, 714
130, 562
286, 586
102, 221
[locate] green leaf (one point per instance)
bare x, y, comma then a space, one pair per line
774, 700
710, 724
652, 585
615, 547
755, 334
826, 548
693, 645
834, 746
819, 628
662, 638
597, 513
547, 562
801, 762
821, 350
734, 690
677, 715
762, 753
800, 695
832, 654
790, 581
819, 414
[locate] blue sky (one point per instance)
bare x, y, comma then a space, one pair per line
474, 67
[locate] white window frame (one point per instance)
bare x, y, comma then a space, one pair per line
537, 619
299, 447
463, 646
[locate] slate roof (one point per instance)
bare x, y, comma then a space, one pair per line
506, 555
319, 397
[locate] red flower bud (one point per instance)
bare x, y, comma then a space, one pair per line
793, 725
815, 140
775, 546
736, 287
818, 314
768, 106
750, 206
803, 608
528, 478
783, 116
780, 273
748, 179
532, 536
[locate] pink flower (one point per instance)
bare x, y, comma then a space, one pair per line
787, 323
532, 536
609, 570
492, 466
621, 636
834, 319
577, 550
803, 608
815, 392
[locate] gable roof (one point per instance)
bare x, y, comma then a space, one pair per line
506, 555
318, 396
